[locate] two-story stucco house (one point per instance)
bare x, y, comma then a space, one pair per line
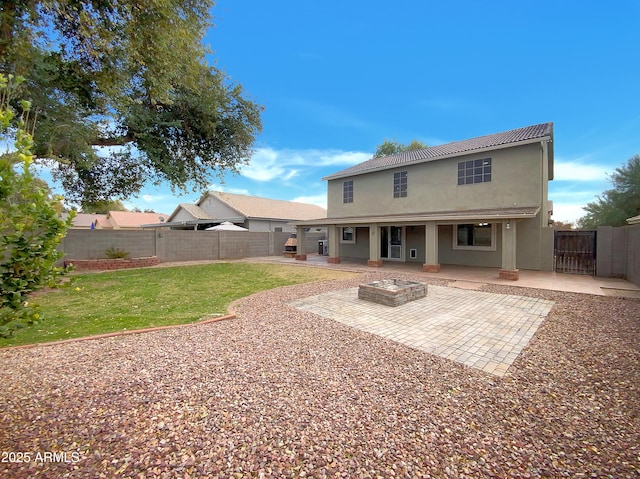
476, 202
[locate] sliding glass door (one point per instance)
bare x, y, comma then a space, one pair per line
391, 243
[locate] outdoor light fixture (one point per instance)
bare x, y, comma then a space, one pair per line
508, 225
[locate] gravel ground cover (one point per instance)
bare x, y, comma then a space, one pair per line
279, 392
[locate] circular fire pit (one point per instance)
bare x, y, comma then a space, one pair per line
392, 292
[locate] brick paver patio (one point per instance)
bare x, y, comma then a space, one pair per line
482, 330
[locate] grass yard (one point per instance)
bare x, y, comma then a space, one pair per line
97, 303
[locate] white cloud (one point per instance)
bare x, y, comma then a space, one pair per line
154, 198
269, 164
265, 165
226, 189
567, 212
319, 200
576, 170
337, 157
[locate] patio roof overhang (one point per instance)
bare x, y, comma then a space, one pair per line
174, 224
441, 217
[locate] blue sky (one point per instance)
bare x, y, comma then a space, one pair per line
337, 78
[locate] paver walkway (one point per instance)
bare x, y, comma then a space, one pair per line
482, 330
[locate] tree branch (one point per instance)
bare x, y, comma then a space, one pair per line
114, 140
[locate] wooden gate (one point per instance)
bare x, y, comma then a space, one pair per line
575, 252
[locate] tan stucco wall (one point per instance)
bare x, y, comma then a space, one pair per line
359, 249
448, 255
183, 215
534, 247
268, 225
415, 240
517, 180
217, 209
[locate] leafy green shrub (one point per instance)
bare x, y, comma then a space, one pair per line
29, 221
116, 253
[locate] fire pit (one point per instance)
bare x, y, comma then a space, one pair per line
392, 292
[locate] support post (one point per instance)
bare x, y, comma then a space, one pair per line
334, 244
301, 253
431, 264
374, 246
508, 269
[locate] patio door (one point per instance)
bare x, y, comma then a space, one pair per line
392, 246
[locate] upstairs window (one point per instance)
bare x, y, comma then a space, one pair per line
474, 171
400, 184
347, 191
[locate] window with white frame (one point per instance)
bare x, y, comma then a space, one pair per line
347, 191
475, 236
400, 184
348, 235
474, 171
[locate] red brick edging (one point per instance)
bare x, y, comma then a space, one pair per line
231, 315
110, 264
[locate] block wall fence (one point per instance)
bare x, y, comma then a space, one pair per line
178, 245
618, 249
618, 252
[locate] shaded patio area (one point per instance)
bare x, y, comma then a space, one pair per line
475, 276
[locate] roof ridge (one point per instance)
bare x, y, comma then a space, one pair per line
513, 136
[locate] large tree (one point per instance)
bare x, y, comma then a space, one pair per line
123, 93
620, 202
391, 147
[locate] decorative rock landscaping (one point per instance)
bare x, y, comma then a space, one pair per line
282, 393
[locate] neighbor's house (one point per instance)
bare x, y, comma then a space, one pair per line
120, 220
477, 202
86, 221
251, 212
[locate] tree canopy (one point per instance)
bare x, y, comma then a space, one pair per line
102, 206
391, 147
619, 203
123, 94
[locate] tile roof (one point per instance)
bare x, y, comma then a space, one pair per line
133, 219
195, 211
84, 220
256, 207
527, 134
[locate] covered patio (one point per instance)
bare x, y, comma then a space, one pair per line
484, 237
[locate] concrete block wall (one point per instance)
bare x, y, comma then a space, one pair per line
633, 254
92, 244
177, 245
310, 242
618, 253
186, 245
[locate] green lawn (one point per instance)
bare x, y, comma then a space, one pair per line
97, 303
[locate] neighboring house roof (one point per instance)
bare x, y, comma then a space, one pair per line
194, 210
528, 134
634, 220
133, 219
256, 207
103, 222
85, 220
